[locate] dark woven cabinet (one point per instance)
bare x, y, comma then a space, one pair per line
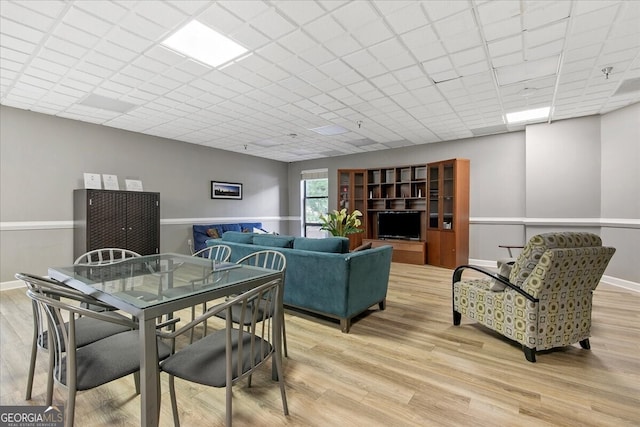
116, 219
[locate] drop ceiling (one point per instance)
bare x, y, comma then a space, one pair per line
389, 73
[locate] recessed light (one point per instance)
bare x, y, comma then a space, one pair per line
202, 43
527, 115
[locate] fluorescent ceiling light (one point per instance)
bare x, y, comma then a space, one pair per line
527, 115
330, 130
200, 42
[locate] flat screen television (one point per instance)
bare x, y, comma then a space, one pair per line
399, 225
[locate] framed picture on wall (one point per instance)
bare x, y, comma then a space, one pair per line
226, 190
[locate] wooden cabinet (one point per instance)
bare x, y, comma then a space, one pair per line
448, 213
351, 196
398, 189
116, 219
405, 251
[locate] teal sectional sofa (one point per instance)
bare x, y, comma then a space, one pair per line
322, 276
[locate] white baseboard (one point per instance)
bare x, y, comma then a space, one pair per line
13, 284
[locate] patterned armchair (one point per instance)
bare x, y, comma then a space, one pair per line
545, 300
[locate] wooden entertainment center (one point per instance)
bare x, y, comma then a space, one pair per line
438, 192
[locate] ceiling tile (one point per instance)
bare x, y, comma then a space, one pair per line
220, 19
506, 28
272, 24
372, 33
355, 14
342, 45
456, 24
538, 14
407, 19
595, 19
297, 42
498, 11
245, 9
20, 31
159, 12
324, 28
439, 9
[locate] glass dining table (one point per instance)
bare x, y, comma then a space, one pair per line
152, 286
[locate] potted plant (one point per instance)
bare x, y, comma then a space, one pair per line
339, 223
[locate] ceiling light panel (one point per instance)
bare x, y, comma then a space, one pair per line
196, 41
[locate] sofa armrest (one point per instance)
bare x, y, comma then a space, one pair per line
368, 278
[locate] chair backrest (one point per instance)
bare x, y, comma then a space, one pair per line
105, 256
539, 244
220, 253
59, 305
272, 260
52, 290
256, 343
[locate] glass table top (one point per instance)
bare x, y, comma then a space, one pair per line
154, 279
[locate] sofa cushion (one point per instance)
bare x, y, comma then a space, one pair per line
329, 244
231, 227
237, 237
273, 240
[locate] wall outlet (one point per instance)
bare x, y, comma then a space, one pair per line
189, 242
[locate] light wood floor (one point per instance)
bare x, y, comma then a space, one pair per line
405, 366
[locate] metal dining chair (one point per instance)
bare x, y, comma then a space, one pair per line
85, 367
272, 260
102, 257
216, 253
228, 355
87, 329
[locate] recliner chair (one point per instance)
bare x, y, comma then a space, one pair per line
545, 301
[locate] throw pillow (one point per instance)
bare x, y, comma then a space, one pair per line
213, 233
505, 271
362, 247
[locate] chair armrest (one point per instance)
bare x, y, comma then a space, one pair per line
52, 298
457, 276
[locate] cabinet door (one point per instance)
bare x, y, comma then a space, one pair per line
352, 196
143, 222
448, 249
435, 195
106, 225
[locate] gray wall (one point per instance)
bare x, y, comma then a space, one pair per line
580, 174
620, 183
563, 169
43, 159
574, 174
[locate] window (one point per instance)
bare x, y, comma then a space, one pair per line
315, 201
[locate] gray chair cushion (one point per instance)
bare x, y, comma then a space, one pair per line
108, 359
203, 362
89, 329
